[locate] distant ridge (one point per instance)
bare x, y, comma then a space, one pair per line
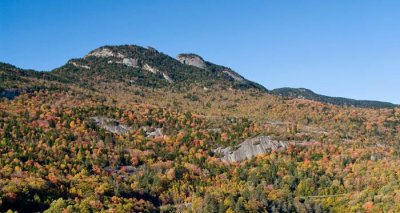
310, 95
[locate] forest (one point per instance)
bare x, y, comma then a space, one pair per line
55, 158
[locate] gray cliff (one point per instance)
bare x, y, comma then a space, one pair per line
250, 148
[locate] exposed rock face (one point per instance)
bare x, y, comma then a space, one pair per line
130, 62
192, 60
197, 61
9, 93
104, 53
155, 71
111, 125
250, 148
166, 77
157, 132
79, 65
150, 69
233, 75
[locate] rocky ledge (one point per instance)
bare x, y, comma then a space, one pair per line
250, 148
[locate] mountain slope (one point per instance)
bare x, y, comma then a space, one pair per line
303, 93
127, 68
135, 65
129, 129
14, 80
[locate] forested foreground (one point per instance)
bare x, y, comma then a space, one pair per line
54, 157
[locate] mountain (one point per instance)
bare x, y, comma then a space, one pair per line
303, 93
130, 129
148, 67
130, 65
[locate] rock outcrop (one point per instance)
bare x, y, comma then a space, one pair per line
111, 125
197, 61
155, 71
150, 69
130, 62
250, 148
80, 65
166, 77
233, 75
192, 60
153, 133
104, 53
107, 53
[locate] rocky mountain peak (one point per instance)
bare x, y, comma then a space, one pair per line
124, 54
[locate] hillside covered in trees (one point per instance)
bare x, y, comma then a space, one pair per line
130, 129
310, 95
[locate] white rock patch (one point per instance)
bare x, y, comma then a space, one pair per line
167, 78
111, 125
119, 55
157, 132
155, 71
78, 65
192, 60
233, 75
250, 148
104, 53
150, 69
130, 62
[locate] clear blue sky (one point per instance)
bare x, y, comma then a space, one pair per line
338, 48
